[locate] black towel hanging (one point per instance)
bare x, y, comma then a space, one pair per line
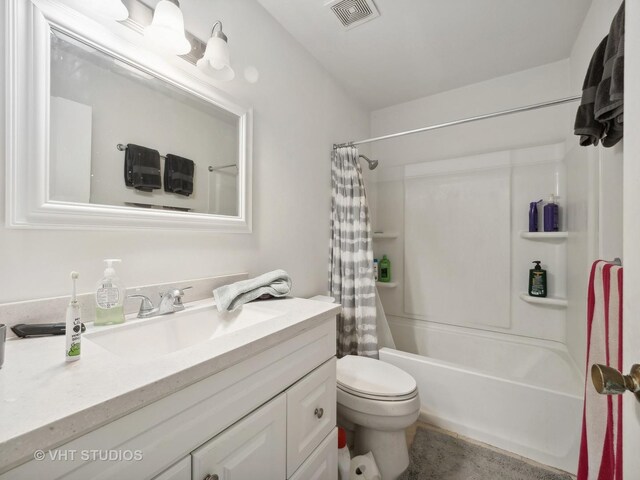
178, 175
142, 168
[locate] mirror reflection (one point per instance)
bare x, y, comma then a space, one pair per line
120, 136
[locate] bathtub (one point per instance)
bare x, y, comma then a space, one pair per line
518, 394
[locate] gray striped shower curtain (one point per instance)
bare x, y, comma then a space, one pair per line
351, 280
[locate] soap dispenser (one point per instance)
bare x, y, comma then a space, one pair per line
537, 281
110, 296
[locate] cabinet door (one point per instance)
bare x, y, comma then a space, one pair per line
311, 413
254, 447
179, 471
322, 464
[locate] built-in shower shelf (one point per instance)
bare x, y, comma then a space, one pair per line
551, 301
386, 284
543, 235
382, 235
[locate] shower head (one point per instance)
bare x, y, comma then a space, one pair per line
372, 163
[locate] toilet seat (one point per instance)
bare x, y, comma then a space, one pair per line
374, 379
379, 398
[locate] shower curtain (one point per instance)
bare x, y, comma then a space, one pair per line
351, 280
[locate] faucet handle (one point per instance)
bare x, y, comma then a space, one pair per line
178, 293
146, 306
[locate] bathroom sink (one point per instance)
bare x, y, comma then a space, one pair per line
157, 336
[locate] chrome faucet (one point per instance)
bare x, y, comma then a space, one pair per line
170, 302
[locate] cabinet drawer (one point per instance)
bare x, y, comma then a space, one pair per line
255, 447
322, 464
179, 471
311, 413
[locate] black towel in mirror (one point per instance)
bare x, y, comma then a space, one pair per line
142, 168
178, 175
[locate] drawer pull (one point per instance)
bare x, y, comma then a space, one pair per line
211, 477
319, 412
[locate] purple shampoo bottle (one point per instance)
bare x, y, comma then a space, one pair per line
551, 213
533, 216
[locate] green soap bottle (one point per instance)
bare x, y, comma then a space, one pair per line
384, 270
537, 281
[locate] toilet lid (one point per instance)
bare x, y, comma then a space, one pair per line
373, 378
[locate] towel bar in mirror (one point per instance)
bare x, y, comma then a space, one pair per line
77, 86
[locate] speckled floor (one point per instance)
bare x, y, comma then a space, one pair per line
438, 455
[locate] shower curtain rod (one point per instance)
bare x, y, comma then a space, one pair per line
464, 120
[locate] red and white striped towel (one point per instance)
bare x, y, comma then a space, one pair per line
601, 447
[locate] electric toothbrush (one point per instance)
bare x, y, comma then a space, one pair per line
74, 325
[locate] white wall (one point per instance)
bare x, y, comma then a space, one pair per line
299, 112
548, 82
594, 177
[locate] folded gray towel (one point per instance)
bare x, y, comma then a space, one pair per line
272, 284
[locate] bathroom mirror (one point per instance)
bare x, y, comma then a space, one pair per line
117, 135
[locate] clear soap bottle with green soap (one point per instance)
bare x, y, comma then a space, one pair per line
384, 270
110, 295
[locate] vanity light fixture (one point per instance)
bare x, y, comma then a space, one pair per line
112, 9
216, 60
167, 28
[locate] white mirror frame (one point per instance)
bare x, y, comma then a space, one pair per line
27, 77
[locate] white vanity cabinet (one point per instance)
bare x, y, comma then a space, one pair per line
255, 447
179, 471
269, 416
311, 413
292, 436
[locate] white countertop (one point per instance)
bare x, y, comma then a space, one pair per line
46, 402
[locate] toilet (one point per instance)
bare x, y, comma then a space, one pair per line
377, 402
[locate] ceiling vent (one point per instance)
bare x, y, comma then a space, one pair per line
352, 13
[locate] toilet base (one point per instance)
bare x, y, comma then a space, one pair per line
389, 450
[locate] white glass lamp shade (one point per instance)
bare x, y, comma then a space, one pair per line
216, 60
112, 9
225, 74
166, 31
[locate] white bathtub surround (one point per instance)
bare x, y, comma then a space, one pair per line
521, 395
472, 272
351, 280
105, 386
